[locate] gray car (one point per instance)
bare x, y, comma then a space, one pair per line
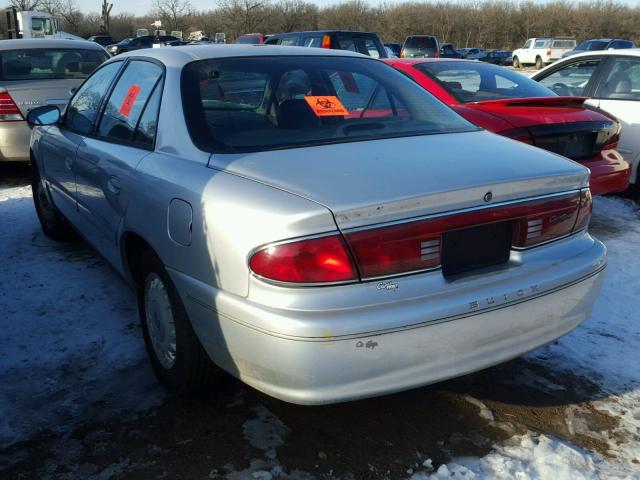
312, 221
38, 72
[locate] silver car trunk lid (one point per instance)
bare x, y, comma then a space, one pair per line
30, 94
366, 183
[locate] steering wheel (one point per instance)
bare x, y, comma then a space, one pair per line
561, 89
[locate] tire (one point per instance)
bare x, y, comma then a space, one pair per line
539, 63
184, 368
53, 223
516, 62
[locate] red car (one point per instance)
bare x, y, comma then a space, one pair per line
510, 104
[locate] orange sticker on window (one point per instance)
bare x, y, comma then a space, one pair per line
326, 106
129, 100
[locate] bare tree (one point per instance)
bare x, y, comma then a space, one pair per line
242, 16
25, 4
173, 13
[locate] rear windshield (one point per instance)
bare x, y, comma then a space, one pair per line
592, 45
266, 103
49, 63
420, 45
248, 40
477, 82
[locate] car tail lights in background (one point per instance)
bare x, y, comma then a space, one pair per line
414, 246
326, 41
402, 53
316, 260
548, 52
9, 111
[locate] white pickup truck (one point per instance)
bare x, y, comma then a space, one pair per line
542, 51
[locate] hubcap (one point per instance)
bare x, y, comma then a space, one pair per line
160, 322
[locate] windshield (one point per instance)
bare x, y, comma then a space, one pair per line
124, 41
42, 26
264, 103
254, 40
47, 63
477, 82
420, 46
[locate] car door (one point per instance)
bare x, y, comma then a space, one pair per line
574, 78
58, 148
106, 160
618, 93
526, 55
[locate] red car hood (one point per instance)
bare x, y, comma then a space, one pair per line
525, 112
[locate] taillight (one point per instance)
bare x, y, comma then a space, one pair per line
316, 260
520, 134
9, 111
584, 213
402, 53
549, 53
326, 41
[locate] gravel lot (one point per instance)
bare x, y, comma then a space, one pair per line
78, 399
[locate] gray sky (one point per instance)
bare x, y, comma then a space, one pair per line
139, 7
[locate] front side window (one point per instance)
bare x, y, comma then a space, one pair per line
265, 103
128, 100
477, 82
527, 44
49, 63
84, 107
571, 80
540, 44
622, 81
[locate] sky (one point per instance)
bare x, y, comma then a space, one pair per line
140, 7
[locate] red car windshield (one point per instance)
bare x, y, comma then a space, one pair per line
478, 81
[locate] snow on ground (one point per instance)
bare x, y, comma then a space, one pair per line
606, 350
69, 338
70, 346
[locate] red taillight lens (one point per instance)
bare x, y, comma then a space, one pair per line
402, 53
317, 260
549, 53
9, 111
551, 220
520, 134
326, 41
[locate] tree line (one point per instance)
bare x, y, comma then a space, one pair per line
496, 24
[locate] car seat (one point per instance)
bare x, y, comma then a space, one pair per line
619, 86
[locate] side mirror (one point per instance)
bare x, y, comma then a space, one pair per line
45, 115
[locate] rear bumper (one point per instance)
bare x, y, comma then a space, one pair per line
14, 141
609, 172
333, 368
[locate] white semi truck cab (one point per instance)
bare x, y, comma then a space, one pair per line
29, 24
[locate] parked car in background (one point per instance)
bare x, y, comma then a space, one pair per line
447, 51
600, 44
542, 51
498, 57
137, 43
177, 43
611, 81
104, 40
367, 43
251, 39
472, 53
298, 218
396, 48
513, 105
35, 72
420, 46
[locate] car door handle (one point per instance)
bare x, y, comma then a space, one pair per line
113, 184
68, 162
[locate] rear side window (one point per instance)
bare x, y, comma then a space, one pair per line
564, 44
622, 82
360, 44
314, 41
266, 103
541, 44
128, 100
84, 106
49, 63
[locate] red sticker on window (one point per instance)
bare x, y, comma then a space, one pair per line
326, 106
129, 100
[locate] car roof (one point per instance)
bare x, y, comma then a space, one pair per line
624, 52
417, 61
189, 53
323, 32
28, 43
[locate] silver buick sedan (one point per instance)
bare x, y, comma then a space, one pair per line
313, 222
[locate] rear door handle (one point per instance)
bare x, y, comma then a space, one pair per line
113, 184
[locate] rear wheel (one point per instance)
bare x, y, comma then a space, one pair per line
539, 63
178, 359
52, 221
516, 62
